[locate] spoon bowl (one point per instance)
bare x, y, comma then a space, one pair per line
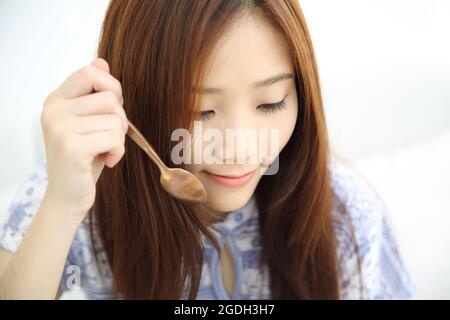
178, 182
183, 185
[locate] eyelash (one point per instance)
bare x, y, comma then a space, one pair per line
265, 108
273, 107
205, 115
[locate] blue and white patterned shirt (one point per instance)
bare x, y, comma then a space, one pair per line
384, 275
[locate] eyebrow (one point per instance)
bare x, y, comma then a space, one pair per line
258, 84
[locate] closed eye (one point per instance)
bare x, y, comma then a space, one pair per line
207, 114
273, 107
265, 108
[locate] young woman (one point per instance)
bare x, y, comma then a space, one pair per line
312, 230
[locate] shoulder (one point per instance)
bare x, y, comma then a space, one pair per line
21, 211
369, 261
23, 206
355, 201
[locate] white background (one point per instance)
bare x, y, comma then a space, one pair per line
385, 71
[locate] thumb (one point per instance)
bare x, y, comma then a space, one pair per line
101, 64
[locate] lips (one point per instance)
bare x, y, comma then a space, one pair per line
231, 181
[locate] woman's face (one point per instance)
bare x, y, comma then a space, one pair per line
249, 84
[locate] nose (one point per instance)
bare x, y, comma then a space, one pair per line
239, 146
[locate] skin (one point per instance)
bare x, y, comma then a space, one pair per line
250, 51
84, 131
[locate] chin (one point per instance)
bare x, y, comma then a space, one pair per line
226, 200
227, 204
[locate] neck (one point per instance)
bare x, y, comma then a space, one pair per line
213, 216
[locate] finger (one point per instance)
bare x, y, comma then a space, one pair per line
95, 123
87, 80
104, 102
101, 64
110, 142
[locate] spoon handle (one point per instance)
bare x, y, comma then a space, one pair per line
139, 139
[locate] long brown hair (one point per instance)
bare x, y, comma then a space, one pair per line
157, 50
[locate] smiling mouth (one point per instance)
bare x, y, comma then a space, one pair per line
231, 181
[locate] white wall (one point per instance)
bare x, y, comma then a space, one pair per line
385, 72
42, 42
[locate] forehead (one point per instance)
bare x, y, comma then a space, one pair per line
251, 49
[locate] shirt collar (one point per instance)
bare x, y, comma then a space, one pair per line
238, 221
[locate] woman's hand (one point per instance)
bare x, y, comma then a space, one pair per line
84, 127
